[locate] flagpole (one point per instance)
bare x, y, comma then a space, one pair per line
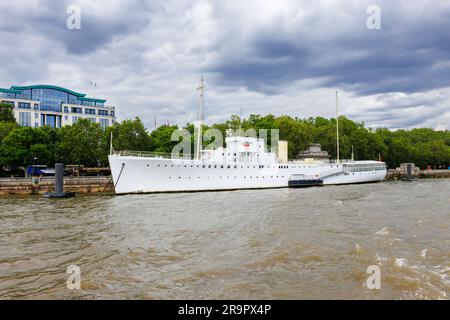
337, 128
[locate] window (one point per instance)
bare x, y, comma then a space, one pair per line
36, 106
36, 115
76, 110
24, 105
89, 111
104, 122
103, 112
74, 119
25, 119
112, 113
66, 109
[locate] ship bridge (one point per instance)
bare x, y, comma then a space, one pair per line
241, 149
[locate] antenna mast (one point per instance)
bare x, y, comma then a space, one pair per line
111, 149
201, 89
337, 128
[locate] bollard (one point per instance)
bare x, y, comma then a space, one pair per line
59, 178
409, 173
59, 184
409, 170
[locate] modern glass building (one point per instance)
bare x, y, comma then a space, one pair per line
46, 105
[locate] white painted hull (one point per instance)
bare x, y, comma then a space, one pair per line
141, 175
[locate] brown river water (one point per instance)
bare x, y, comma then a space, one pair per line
253, 244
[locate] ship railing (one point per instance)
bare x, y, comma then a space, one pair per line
152, 154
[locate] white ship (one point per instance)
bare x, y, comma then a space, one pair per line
243, 164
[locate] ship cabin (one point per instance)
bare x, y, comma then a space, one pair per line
241, 149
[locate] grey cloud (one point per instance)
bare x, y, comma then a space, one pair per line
147, 57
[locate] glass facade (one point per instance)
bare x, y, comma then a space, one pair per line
104, 122
51, 103
51, 98
25, 119
51, 121
24, 105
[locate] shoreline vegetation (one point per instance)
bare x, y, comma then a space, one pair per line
86, 143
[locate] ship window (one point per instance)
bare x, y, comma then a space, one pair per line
165, 165
159, 165
179, 177
221, 167
203, 166
209, 166
147, 165
228, 167
235, 166
215, 166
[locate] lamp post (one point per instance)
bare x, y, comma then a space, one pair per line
34, 166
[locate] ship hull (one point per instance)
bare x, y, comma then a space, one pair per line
147, 175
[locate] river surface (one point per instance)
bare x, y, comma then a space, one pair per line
256, 244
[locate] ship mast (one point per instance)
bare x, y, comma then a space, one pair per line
337, 128
201, 89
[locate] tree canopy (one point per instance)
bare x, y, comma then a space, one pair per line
6, 112
87, 143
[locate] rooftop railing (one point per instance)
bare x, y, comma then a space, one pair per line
150, 154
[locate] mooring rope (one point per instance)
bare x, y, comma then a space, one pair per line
120, 173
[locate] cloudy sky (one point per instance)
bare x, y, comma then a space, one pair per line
264, 56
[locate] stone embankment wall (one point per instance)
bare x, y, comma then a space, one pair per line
423, 174
26, 186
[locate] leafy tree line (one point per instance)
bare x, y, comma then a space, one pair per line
87, 143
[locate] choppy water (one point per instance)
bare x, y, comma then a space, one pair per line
259, 244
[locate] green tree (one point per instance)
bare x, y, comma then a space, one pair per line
82, 144
128, 135
6, 128
22, 145
6, 112
161, 139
